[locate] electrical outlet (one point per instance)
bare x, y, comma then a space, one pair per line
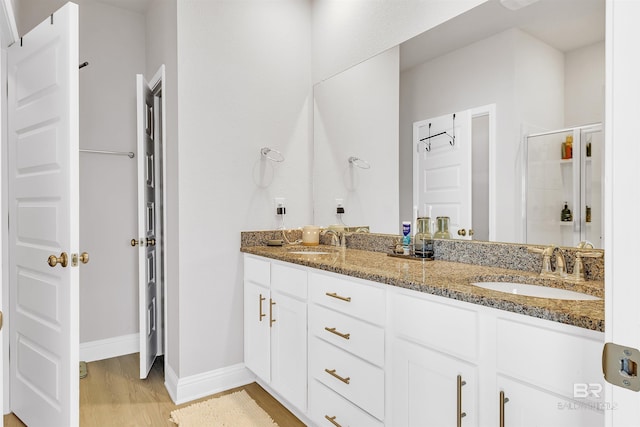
339, 206
279, 205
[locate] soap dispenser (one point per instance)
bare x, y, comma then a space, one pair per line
566, 216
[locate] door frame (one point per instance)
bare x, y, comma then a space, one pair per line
8, 35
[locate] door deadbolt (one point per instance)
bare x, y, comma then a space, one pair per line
63, 260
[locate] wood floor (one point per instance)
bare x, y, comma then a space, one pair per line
112, 395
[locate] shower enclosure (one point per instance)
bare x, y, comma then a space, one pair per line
563, 167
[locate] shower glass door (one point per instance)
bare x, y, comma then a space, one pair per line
564, 167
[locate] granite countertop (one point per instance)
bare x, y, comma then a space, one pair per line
451, 280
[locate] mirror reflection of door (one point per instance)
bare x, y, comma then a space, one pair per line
451, 171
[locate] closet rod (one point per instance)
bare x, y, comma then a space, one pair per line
116, 153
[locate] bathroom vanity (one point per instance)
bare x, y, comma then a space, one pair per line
346, 337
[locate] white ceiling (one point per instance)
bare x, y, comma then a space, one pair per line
563, 24
139, 6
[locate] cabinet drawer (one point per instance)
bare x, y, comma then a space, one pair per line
366, 302
555, 359
360, 338
324, 403
257, 270
453, 330
363, 383
289, 280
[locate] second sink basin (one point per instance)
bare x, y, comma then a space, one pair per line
535, 291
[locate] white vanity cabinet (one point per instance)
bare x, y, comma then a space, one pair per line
434, 351
346, 351
551, 373
362, 353
275, 325
449, 358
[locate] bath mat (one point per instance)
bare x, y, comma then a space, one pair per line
83, 370
231, 410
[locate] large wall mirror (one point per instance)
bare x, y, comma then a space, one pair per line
526, 78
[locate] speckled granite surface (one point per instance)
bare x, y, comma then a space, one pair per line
450, 279
503, 255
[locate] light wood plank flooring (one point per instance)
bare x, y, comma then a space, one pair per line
112, 395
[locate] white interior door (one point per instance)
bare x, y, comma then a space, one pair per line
442, 169
43, 221
621, 195
148, 270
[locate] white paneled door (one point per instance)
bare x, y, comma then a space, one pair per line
149, 303
442, 169
43, 221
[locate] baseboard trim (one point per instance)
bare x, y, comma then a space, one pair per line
110, 347
182, 390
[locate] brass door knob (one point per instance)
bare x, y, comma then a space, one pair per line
84, 257
462, 232
63, 260
151, 242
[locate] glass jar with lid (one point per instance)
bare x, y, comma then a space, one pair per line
423, 240
442, 223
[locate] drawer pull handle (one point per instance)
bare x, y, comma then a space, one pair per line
332, 420
335, 295
503, 400
271, 319
260, 303
332, 372
460, 414
338, 333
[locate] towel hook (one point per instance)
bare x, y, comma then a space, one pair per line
356, 161
271, 154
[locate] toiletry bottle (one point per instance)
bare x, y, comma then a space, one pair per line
563, 151
569, 147
406, 237
588, 214
566, 216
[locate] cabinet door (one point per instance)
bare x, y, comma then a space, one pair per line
257, 347
424, 386
289, 349
530, 406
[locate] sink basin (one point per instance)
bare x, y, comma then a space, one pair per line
535, 291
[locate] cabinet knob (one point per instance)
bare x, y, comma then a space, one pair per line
462, 232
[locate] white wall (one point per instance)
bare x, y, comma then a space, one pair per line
356, 114
345, 33
112, 41
518, 73
245, 82
584, 85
